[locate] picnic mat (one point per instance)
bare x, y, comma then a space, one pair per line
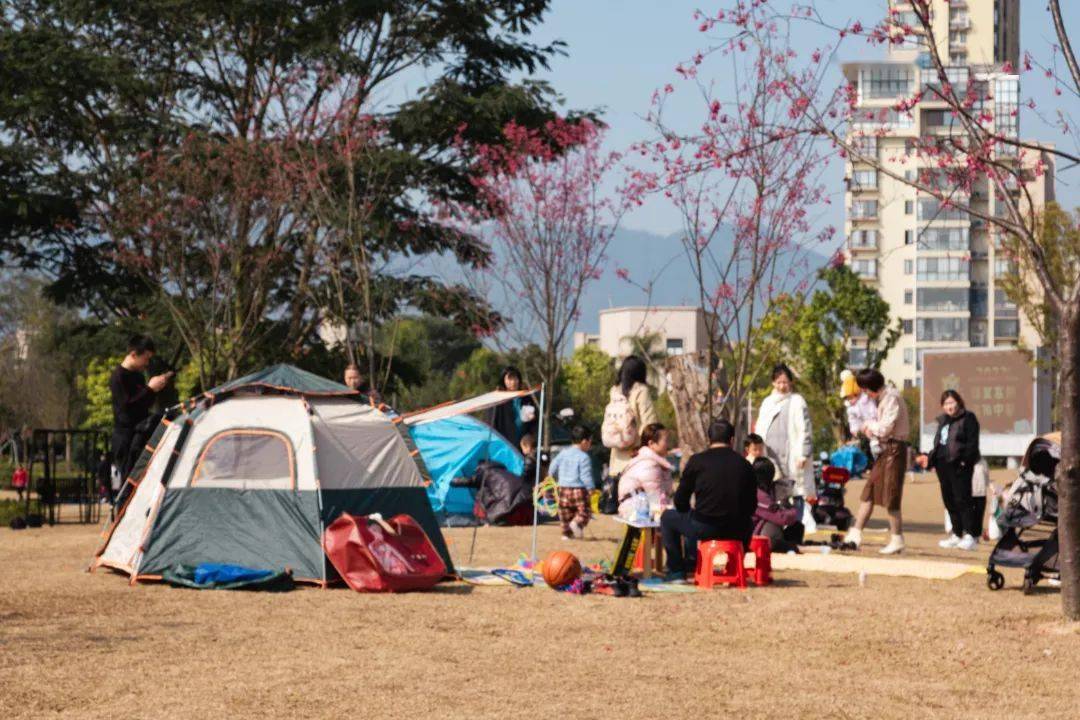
901, 567
481, 576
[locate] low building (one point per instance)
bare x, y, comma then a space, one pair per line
674, 330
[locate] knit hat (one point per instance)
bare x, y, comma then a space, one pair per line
848, 386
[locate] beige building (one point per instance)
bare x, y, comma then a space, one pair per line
935, 265
675, 329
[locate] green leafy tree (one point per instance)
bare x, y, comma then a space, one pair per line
1058, 237
589, 375
479, 374
97, 99
815, 336
97, 398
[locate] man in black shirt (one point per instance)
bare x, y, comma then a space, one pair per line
132, 398
722, 485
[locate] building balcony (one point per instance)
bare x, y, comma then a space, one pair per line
959, 23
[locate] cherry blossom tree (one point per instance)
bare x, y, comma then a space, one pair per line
208, 226
747, 183
547, 215
979, 154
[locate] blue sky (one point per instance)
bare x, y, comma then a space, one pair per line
619, 51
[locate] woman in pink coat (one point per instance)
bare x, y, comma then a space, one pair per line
648, 471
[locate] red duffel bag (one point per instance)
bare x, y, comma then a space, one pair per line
373, 555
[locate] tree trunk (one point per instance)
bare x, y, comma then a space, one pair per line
1068, 474
688, 389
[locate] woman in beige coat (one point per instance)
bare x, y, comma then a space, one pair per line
633, 386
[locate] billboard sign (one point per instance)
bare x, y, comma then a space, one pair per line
1001, 386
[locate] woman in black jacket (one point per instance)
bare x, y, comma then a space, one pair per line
514, 418
954, 456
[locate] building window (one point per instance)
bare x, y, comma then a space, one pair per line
979, 300
865, 146
942, 329
864, 180
977, 334
1006, 328
909, 267
909, 207
942, 299
937, 238
907, 297
886, 81
909, 356
863, 239
857, 357
931, 209
943, 269
909, 237
864, 268
1003, 308
1003, 267
906, 325
674, 346
882, 117
864, 209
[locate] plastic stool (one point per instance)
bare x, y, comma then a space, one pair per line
761, 547
734, 573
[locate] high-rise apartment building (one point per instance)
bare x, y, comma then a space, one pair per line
933, 262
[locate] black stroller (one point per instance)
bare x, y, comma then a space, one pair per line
1029, 519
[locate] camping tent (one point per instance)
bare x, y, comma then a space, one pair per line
451, 447
250, 474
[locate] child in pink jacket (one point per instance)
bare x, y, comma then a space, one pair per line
648, 471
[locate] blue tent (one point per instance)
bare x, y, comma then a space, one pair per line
452, 447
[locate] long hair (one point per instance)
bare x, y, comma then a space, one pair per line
632, 371
510, 370
955, 396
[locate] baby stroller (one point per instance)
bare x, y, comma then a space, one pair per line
1029, 519
829, 507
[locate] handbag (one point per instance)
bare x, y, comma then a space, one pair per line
980, 476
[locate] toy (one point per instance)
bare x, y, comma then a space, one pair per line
561, 568
545, 497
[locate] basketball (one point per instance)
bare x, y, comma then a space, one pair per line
561, 568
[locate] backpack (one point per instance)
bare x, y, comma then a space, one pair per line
619, 430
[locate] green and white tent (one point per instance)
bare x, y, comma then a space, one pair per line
251, 473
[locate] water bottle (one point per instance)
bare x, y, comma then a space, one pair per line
641, 508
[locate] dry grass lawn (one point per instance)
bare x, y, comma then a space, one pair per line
77, 645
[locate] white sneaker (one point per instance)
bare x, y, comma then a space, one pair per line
967, 543
578, 531
854, 535
949, 542
896, 545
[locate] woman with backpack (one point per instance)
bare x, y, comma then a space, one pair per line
629, 410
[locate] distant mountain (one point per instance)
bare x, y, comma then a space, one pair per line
648, 258
661, 260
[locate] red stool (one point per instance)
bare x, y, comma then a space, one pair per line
734, 573
761, 547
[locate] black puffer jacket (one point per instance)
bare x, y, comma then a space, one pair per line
499, 491
961, 446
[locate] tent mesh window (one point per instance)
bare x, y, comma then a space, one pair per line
247, 459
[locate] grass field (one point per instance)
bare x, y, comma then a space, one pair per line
814, 645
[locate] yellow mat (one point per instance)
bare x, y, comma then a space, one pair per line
843, 563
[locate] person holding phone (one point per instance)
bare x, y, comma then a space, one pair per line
132, 398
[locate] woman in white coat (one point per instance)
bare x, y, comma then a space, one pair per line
784, 422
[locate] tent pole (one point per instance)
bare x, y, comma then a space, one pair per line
539, 456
